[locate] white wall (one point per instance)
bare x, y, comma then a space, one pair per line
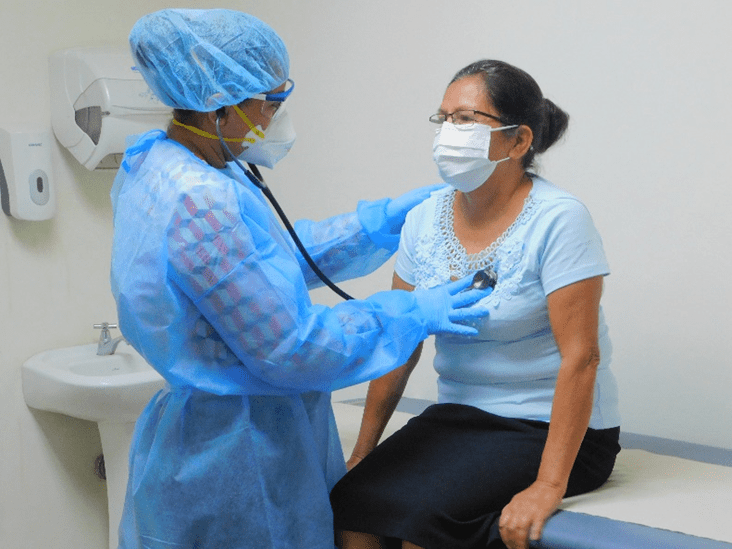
648, 90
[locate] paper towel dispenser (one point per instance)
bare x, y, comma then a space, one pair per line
97, 100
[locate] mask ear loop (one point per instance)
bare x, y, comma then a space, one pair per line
256, 178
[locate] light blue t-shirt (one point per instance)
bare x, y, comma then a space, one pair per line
510, 369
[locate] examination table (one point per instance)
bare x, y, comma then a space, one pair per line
663, 494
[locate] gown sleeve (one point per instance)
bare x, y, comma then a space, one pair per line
226, 257
341, 247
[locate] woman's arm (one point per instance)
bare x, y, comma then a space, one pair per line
574, 317
382, 398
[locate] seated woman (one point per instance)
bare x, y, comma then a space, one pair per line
527, 410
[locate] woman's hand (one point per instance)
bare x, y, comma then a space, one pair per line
524, 517
353, 461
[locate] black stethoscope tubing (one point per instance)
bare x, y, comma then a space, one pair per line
256, 178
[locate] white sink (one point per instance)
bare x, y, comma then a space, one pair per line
111, 390
76, 382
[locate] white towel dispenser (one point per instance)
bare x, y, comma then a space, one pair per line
97, 100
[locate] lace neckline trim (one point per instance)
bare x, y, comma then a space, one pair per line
461, 263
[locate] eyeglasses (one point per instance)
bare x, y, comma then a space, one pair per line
271, 102
462, 117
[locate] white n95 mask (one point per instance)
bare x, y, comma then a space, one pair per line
279, 137
461, 154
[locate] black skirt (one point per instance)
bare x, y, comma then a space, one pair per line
442, 480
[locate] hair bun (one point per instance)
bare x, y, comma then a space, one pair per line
554, 125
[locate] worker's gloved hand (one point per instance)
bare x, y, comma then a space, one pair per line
383, 219
397, 208
446, 305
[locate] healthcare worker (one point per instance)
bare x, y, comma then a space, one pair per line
240, 449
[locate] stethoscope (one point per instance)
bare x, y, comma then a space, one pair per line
483, 279
256, 178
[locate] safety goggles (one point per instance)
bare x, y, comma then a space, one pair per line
271, 102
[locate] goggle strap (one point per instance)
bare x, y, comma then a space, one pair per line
278, 97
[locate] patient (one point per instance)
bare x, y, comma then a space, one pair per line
527, 410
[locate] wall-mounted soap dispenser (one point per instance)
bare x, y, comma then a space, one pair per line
97, 100
26, 178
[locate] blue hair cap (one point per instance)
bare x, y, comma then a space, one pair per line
202, 60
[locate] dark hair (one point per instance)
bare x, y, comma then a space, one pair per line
518, 99
186, 116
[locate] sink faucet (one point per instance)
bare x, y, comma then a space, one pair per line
107, 345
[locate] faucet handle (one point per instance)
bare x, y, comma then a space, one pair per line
104, 337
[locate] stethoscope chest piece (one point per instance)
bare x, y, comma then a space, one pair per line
483, 279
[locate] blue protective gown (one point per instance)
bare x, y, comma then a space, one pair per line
240, 450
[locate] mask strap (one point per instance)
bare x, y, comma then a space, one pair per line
202, 133
241, 114
248, 122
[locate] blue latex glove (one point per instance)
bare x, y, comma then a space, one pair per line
446, 305
383, 219
397, 208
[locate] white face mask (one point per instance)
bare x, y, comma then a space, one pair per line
461, 154
278, 140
